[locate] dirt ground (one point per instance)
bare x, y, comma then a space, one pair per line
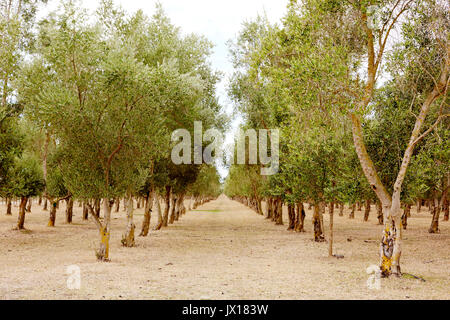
221, 251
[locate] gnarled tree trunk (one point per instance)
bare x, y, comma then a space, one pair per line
8, 207
300, 218
279, 215
318, 222
390, 248
147, 214
97, 207
380, 216
104, 229
291, 214
259, 206
180, 209
22, 212
406, 215
436, 209
69, 210
160, 217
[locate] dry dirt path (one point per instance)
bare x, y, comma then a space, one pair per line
223, 250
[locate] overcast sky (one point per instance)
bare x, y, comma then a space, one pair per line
218, 20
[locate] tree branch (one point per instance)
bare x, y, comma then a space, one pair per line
94, 216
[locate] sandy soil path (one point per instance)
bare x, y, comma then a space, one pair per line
223, 250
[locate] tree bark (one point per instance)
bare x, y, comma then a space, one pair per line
406, 215
446, 209
105, 232
29, 204
8, 207
128, 238
158, 209
279, 216
117, 203
184, 209
330, 245
300, 220
22, 212
380, 213
104, 229
69, 210
147, 214
167, 208
367, 211
274, 209
269, 208
434, 228
367, 163
318, 223
97, 207
259, 205
291, 214
173, 209
341, 209
352, 213
52, 218
85, 211
180, 208
44, 163
388, 248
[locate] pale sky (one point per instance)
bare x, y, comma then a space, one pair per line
218, 20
